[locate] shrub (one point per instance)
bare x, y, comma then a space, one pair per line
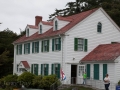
47, 81
26, 79
36, 81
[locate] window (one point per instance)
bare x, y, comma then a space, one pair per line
99, 27
27, 32
45, 46
56, 25
56, 69
34, 69
35, 47
19, 49
56, 44
40, 29
27, 48
80, 44
44, 69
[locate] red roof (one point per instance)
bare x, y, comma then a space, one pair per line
105, 52
75, 19
25, 63
47, 23
33, 26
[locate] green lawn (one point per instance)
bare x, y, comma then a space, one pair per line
78, 88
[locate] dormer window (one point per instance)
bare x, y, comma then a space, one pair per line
40, 29
99, 27
27, 32
56, 25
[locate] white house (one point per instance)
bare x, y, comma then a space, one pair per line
65, 43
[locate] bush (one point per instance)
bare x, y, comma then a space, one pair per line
10, 81
26, 79
47, 81
36, 81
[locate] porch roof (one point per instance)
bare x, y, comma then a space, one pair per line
25, 63
104, 52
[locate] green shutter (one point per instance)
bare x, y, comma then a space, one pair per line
104, 70
52, 44
75, 44
41, 69
17, 49
42, 46
52, 69
47, 69
85, 45
88, 71
38, 47
48, 45
31, 68
58, 74
28, 48
21, 49
36, 69
24, 48
33, 47
59, 44
96, 71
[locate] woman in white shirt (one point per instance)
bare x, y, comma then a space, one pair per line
107, 82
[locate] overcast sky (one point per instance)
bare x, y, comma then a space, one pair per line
16, 14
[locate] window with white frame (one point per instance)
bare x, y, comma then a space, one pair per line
27, 32
19, 49
80, 44
99, 27
56, 44
44, 69
40, 29
45, 46
56, 69
35, 47
56, 25
27, 48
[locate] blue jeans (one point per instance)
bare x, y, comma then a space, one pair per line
84, 80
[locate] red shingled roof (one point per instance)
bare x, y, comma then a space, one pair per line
33, 26
75, 19
105, 52
25, 63
47, 23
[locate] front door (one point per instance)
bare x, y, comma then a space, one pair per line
73, 74
81, 70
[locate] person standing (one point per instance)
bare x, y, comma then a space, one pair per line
84, 77
107, 82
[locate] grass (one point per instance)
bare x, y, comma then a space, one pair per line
78, 88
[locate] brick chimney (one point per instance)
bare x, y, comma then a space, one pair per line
37, 20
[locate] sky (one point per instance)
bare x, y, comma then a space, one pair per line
16, 14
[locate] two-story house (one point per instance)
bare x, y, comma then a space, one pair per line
66, 43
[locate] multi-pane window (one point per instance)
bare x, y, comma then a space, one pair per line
80, 44
44, 69
56, 44
19, 49
35, 47
27, 32
56, 25
99, 27
27, 48
56, 69
45, 46
81, 70
34, 69
40, 29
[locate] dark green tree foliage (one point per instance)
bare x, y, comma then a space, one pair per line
112, 7
6, 51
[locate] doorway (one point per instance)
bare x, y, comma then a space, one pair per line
73, 74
